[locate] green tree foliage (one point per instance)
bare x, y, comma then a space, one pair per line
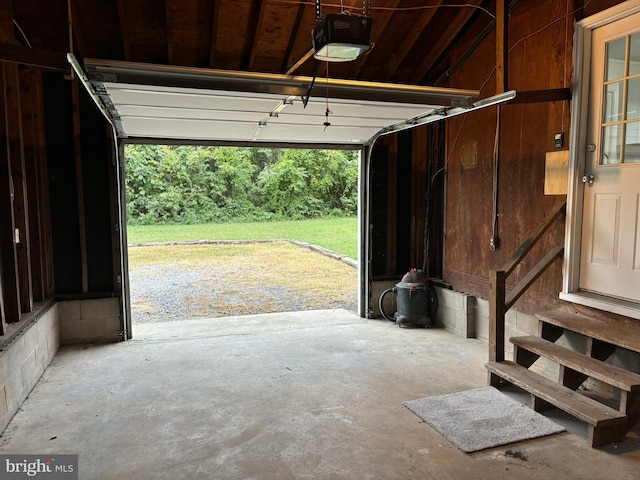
185, 184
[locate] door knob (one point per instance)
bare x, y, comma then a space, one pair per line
588, 179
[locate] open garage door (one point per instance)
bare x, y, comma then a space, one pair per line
166, 104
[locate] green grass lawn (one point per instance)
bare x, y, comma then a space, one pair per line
336, 234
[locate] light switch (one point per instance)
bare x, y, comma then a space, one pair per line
558, 140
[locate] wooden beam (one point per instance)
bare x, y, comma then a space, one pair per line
542, 96
419, 182
256, 35
126, 35
528, 244
502, 71
411, 36
295, 32
392, 206
214, 32
13, 115
497, 312
292, 69
8, 258
379, 27
532, 276
34, 57
174, 43
43, 181
75, 89
6, 22
436, 50
33, 182
255, 18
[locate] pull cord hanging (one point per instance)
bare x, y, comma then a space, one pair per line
328, 110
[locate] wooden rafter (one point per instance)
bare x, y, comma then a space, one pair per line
443, 42
214, 33
307, 55
256, 17
126, 36
170, 40
36, 57
502, 72
410, 38
295, 31
379, 26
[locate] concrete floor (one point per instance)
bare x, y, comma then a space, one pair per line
278, 396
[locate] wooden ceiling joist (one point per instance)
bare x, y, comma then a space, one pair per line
214, 33
256, 18
35, 57
436, 50
379, 26
261, 36
410, 39
295, 32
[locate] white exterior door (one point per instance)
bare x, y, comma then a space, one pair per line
610, 251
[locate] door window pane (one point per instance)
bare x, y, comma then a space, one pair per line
613, 102
632, 143
615, 58
633, 98
634, 55
611, 145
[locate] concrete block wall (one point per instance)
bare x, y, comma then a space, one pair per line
456, 312
24, 357
90, 321
468, 316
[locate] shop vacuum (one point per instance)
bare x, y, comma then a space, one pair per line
416, 300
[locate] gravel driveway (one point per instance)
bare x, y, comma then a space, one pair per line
178, 282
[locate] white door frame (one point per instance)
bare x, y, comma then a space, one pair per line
577, 155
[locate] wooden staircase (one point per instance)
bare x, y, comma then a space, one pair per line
605, 424
608, 419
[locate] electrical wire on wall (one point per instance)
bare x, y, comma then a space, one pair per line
494, 241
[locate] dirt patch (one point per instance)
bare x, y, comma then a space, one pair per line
178, 282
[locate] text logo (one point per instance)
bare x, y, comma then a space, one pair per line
50, 467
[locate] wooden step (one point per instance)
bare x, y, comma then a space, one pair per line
574, 403
619, 332
609, 374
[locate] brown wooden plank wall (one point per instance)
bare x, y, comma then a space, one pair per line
25, 245
24, 231
540, 49
400, 171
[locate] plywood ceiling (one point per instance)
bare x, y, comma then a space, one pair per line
410, 38
410, 44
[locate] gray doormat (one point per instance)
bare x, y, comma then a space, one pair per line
482, 418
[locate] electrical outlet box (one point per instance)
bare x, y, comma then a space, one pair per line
558, 140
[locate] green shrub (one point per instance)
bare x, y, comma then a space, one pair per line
193, 185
